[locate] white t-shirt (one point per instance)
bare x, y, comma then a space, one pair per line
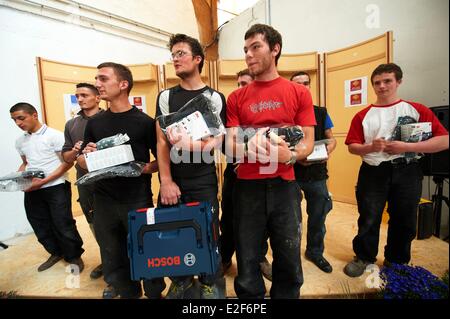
42, 151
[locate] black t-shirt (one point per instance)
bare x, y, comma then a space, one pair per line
172, 100
141, 130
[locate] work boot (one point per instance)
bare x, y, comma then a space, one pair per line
109, 292
97, 272
320, 262
356, 267
178, 290
53, 259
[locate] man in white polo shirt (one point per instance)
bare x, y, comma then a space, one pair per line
48, 201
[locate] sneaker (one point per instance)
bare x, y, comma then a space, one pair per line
109, 292
53, 259
266, 269
320, 262
178, 291
77, 262
356, 267
97, 272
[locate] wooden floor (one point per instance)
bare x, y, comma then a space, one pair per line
19, 262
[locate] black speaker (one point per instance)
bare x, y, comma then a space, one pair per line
436, 164
425, 221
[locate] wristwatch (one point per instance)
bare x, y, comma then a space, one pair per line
293, 159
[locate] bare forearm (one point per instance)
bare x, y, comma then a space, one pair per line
70, 156
151, 167
163, 154
433, 145
331, 141
360, 149
306, 145
81, 161
63, 168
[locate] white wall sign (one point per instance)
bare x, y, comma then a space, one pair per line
71, 107
139, 102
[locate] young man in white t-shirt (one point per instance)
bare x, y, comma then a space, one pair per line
386, 173
48, 200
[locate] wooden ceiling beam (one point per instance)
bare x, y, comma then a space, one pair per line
206, 15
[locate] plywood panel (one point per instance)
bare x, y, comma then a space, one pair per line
335, 94
343, 170
292, 62
359, 52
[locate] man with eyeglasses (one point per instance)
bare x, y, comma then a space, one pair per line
312, 179
191, 180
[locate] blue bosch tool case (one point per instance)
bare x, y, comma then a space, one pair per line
174, 241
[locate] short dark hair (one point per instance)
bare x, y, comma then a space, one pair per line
122, 72
88, 86
299, 73
387, 68
195, 45
245, 72
23, 106
271, 36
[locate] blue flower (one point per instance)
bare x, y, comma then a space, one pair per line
411, 282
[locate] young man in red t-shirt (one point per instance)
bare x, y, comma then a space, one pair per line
390, 171
267, 198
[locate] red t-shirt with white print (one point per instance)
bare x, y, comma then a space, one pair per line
269, 104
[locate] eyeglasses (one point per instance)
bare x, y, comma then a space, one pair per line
305, 83
179, 55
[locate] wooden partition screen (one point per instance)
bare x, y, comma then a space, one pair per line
357, 61
288, 64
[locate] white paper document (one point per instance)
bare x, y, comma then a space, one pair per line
195, 126
319, 153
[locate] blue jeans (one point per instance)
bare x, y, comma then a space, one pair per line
268, 206
400, 185
318, 204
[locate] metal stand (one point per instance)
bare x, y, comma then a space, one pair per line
437, 203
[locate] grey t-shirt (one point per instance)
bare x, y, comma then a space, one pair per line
74, 132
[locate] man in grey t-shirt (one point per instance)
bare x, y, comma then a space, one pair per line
88, 98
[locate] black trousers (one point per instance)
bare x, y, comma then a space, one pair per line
268, 206
227, 241
86, 200
400, 185
49, 211
111, 229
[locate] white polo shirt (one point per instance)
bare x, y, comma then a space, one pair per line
42, 151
